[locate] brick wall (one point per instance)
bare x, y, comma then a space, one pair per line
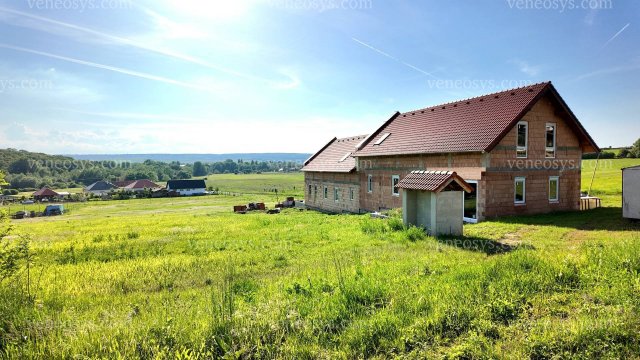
315, 182
499, 179
468, 165
495, 173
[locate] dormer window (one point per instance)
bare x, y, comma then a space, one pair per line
345, 157
382, 138
522, 139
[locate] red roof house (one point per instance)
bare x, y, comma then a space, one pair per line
45, 193
332, 183
141, 185
519, 149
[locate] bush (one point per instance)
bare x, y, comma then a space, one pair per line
603, 155
395, 224
415, 233
624, 153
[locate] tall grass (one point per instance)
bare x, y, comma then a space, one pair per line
186, 278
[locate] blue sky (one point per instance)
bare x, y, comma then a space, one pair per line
206, 76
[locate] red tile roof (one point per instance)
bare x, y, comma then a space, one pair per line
142, 184
435, 181
123, 183
471, 125
335, 156
45, 191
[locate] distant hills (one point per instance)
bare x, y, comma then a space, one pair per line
191, 158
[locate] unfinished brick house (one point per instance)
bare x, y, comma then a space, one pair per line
520, 150
331, 181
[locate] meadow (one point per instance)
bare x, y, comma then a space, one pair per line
186, 278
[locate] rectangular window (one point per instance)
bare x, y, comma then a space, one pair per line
395, 179
309, 190
315, 190
382, 138
550, 141
351, 194
523, 139
336, 192
326, 192
554, 187
520, 191
370, 183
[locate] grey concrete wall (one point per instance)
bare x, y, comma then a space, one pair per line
631, 193
449, 213
440, 214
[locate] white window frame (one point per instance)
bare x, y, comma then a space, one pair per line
336, 192
555, 137
325, 193
524, 190
370, 183
524, 148
393, 188
557, 180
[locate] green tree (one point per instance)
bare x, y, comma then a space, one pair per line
199, 169
183, 175
3, 182
624, 153
22, 166
635, 149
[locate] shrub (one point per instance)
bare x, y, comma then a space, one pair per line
603, 155
414, 233
395, 224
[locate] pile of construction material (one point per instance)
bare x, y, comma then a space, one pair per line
243, 209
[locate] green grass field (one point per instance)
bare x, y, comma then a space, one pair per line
289, 184
608, 178
186, 278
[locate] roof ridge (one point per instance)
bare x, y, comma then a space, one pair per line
477, 97
352, 138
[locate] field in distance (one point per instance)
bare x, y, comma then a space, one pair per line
187, 278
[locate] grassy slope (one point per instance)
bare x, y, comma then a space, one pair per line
608, 179
291, 184
155, 277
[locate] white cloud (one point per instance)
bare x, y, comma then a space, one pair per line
292, 81
609, 71
198, 136
526, 68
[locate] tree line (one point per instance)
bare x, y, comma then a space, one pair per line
27, 171
625, 153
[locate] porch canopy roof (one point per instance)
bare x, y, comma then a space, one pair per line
435, 181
